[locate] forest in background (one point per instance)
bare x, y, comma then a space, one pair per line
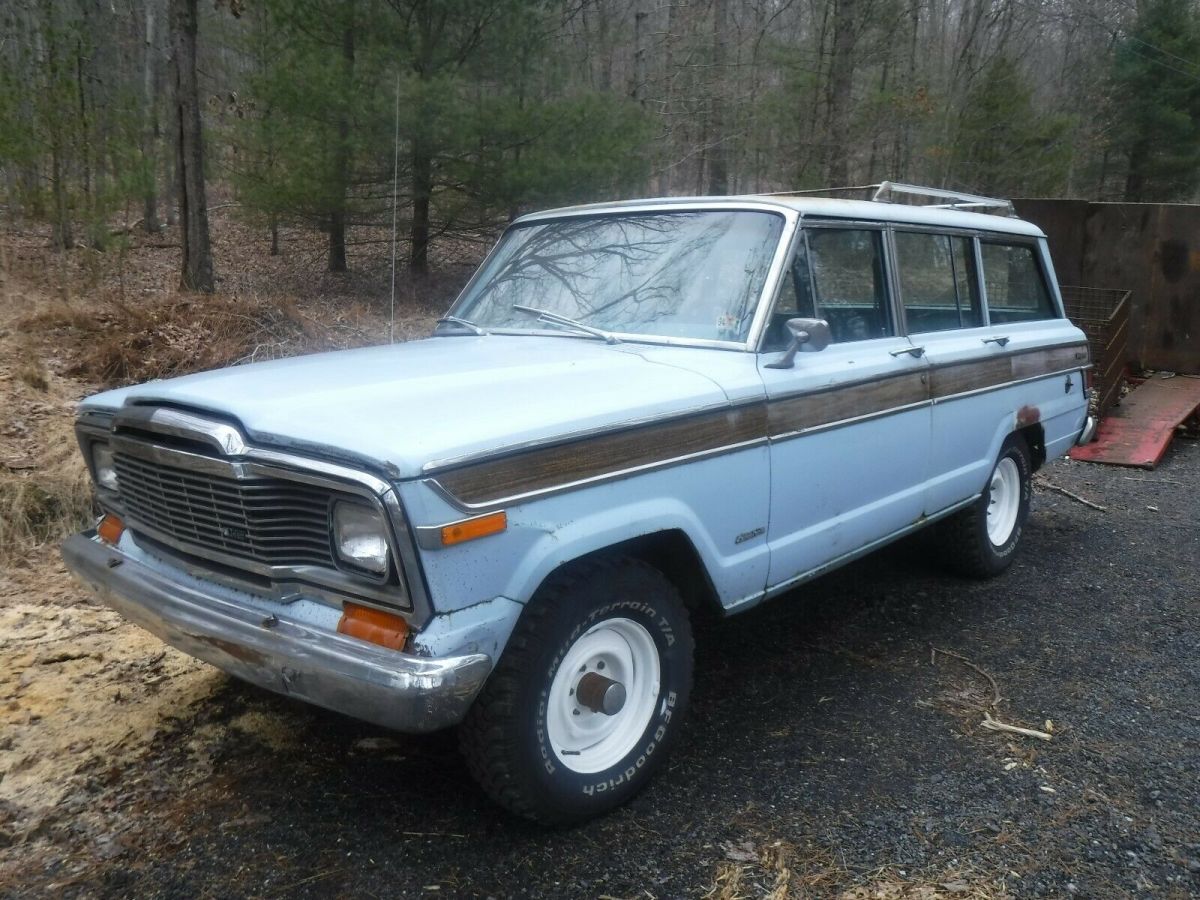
317, 113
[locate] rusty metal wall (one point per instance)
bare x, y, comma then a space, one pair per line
1150, 249
1171, 322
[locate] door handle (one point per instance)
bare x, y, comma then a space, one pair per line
911, 351
999, 339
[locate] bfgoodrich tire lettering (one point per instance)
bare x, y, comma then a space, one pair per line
520, 739
981, 540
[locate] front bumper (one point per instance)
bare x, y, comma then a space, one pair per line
393, 689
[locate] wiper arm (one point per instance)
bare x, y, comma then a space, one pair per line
553, 318
455, 320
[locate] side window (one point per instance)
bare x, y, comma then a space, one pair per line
795, 300
848, 282
937, 281
1016, 290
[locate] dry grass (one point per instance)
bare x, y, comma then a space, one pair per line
114, 343
780, 870
39, 510
951, 884
33, 373
775, 871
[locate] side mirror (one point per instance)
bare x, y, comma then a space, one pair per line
808, 336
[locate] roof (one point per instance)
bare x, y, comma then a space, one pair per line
820, 207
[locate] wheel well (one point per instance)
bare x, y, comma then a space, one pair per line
673, 554
1035, 440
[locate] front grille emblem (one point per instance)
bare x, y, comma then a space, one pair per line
235, 534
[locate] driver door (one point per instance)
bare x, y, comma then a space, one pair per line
850, 425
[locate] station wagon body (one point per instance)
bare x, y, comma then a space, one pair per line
619, 420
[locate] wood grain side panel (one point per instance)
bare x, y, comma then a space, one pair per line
960, 378
804, 411
543, 468
1043, 362
970, 376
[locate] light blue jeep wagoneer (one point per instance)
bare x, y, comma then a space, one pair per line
633, 410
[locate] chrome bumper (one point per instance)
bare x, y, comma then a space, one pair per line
1089, 431
393, 689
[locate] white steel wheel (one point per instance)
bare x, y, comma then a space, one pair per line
1004, 501
603, 695
588, 697
981, 540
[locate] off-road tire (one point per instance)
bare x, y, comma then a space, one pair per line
504, 737
962, 540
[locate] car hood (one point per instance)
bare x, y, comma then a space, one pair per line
408, 406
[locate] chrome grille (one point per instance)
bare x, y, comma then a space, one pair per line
271, 521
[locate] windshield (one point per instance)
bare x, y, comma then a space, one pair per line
678, 274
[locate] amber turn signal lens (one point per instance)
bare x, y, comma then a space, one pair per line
110, 529
373, 625
470, 529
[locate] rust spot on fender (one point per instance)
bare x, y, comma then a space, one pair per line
1027, 415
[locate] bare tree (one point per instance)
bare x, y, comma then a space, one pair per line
197, 250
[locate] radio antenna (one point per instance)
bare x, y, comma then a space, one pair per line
395, 180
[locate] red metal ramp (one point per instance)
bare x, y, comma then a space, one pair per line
1137, 432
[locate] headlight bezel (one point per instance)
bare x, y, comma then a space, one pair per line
104, 469
368, 523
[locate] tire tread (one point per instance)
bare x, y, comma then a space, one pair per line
488, 737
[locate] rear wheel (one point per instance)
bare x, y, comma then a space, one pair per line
981, 540
589, 695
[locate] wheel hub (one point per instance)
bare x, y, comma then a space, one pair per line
600, 694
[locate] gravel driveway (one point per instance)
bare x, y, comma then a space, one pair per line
831, 749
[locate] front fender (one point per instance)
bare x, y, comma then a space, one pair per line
729, 493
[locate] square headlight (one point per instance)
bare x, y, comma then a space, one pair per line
103, 466
360, 536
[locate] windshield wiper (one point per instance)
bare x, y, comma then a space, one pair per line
553, 318
455, 320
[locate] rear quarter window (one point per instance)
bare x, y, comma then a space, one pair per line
1013, 281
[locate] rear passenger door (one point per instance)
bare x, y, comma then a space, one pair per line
982, 309
938, 282
850, 424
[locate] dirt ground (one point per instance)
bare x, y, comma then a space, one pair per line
835, 746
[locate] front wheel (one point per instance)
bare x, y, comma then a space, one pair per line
981, 540
589, 695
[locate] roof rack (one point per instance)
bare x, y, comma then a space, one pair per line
908, 194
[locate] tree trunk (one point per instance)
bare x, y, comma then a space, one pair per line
197, 250
171, 182
638, 89
422, 156
718, 153
337, 241
150, 124
337, 217
841, 81
61, 236
422, 188
1135, 180
668, 100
